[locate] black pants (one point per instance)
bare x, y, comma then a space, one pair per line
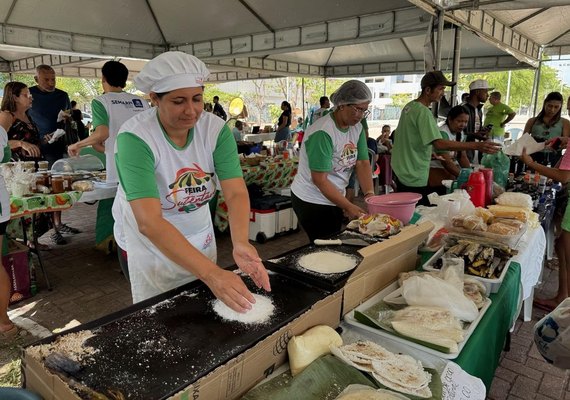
319, 221
423, 190
123, 262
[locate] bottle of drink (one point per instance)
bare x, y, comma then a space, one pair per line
476, 188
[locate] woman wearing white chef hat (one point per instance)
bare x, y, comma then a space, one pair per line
170, 160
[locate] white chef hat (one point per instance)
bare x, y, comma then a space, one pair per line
552, 336
170, 71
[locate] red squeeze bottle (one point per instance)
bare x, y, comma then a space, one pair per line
476, 188
488, 174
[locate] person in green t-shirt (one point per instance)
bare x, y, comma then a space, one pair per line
418, 135
498, 115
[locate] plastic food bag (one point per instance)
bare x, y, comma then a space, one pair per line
552, 336
500, 164
425, 290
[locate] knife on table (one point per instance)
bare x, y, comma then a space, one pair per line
338, 242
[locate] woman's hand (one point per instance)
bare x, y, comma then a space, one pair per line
229, 288
73, 150
354, 212
489, 147
30, 149
525, 158
247, 259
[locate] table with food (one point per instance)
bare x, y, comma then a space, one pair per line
406, 302
268, 173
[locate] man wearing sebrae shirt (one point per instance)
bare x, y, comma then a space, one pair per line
110, 111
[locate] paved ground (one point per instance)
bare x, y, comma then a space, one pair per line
88, 284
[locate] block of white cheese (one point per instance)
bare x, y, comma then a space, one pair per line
312, 344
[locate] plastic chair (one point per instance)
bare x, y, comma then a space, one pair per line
385, 177
514, 133
371, 158
9, 393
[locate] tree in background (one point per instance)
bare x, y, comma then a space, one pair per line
521, 86
255, 102
401, 99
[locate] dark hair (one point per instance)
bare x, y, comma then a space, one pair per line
286, 104
322, 100
552, 96
464, 96
73, 103
216, 98
11, 90
454, 113
496, 95
115, 73
239, 124
384, 126
44, 68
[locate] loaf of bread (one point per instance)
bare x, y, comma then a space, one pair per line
519, 213
485, 214
502, 229
474, 223
82, 186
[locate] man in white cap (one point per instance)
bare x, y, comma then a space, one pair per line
170, 160
478, 95
417, 136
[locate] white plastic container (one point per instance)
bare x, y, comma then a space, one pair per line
491, 285
261, 225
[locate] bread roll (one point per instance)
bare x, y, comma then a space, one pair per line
519, 213
502, 229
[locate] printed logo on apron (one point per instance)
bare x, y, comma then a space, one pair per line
191, 189
347, 158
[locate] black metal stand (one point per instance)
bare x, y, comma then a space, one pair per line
35, 249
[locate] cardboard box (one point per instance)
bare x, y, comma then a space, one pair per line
229, 381
382, 263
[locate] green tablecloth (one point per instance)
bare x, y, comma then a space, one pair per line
480, 356
271, 175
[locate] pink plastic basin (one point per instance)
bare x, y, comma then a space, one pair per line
398, 205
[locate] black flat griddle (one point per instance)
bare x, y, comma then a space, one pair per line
287, 265
155, 348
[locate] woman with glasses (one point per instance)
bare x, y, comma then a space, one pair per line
548, 125
332, 148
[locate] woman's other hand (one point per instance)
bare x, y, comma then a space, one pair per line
229, 288
30, 149
247, 259
525, 158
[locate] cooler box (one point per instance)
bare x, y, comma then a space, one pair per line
269, 216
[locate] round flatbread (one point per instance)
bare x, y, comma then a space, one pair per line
327, 262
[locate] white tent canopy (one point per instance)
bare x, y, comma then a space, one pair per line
265, 38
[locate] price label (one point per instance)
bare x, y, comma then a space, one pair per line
459, 385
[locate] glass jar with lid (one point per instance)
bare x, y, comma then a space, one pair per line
57, 184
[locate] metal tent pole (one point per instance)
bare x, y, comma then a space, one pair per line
456, 62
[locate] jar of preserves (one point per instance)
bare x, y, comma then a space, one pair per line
67, 182
57, 184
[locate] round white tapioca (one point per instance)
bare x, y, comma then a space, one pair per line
261, 311
327, 262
